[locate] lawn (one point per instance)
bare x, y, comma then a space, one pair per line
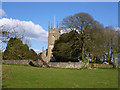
19, 76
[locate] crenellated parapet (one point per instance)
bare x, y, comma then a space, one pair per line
50, 27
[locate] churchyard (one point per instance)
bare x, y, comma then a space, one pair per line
25, 76
79, 48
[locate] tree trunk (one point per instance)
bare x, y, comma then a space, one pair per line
83, 51
111, 56
94, 59
87, 60
108, 56
114, 64
108, 50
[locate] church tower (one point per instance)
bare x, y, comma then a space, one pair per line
54, 34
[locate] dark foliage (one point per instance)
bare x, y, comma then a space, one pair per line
16, 50
67, 47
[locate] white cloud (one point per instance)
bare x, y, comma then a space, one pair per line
65, 31
2, 13
117, 29
36, 50
31, 31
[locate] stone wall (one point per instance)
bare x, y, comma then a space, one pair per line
56, 64
103, 65
67, 64
25, 62
76, 65
16, 61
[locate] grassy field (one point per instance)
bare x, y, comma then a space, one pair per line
19, 76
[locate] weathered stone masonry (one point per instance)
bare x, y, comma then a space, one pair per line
55, 64
54, 34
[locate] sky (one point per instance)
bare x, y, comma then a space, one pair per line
35, 16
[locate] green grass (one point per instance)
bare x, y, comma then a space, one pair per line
20, 76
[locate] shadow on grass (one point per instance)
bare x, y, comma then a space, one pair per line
4, 86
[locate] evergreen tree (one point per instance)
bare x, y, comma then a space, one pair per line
67, 47
16, 50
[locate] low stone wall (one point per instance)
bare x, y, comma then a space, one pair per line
67, 64
56, 64
103, 65
76, 65
16, 61
25, 62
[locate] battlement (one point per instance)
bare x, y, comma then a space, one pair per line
51, 29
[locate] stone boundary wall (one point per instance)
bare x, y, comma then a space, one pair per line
67, 64
16, 61
76, 65
103, 65
56, 64
25, 62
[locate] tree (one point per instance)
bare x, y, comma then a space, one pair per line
40, 55
33, 54
111, 43
81, 22
67, 47
118, 46
8, 32
16, 50
95, 43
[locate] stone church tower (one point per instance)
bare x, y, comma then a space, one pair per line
54, 34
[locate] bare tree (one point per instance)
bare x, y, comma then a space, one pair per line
81, 22
8, 32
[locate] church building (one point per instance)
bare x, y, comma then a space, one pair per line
53, 34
